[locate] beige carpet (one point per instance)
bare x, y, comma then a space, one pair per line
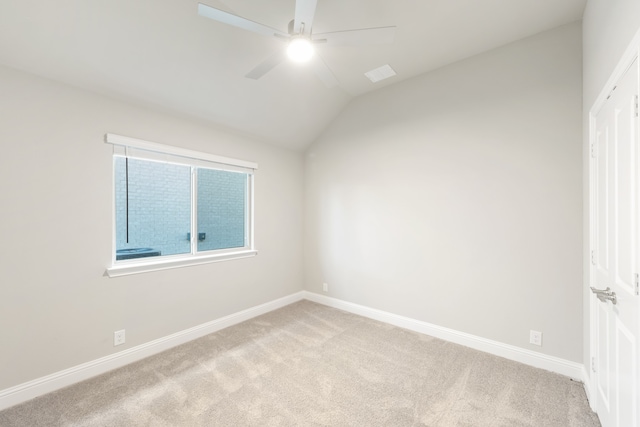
310, 365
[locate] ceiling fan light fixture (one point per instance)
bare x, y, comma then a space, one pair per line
300, 49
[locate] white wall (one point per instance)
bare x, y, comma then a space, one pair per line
455, 197
57, 309
608, 28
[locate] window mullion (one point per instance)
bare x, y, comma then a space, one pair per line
194, 211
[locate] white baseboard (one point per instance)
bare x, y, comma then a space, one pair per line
554, 364
26, 391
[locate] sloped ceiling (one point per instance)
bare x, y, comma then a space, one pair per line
162, 54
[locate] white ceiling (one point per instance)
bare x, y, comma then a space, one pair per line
161, 54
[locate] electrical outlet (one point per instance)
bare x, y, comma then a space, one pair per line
325, 287
118, 337
535, 338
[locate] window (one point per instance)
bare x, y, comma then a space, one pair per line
176, 207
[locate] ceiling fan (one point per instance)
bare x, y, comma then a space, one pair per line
300, 38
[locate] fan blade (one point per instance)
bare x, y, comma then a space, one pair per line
237, 21
266, 66
365, 36
323, 72
305, 10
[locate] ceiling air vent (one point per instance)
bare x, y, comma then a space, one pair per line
380, 73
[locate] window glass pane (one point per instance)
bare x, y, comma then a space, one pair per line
157, 197
222, 209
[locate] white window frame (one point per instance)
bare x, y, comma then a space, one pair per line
146, 150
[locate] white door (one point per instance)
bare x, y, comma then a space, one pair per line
615, 256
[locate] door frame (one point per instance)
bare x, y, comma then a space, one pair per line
626, 61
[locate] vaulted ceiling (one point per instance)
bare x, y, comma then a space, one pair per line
162, 54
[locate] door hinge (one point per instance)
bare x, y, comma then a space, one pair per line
611, 93
593, 257
593, 150
637, 284
593, 364
636, 105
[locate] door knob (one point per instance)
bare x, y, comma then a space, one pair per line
605, 295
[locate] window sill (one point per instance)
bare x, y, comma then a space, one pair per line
165, 264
